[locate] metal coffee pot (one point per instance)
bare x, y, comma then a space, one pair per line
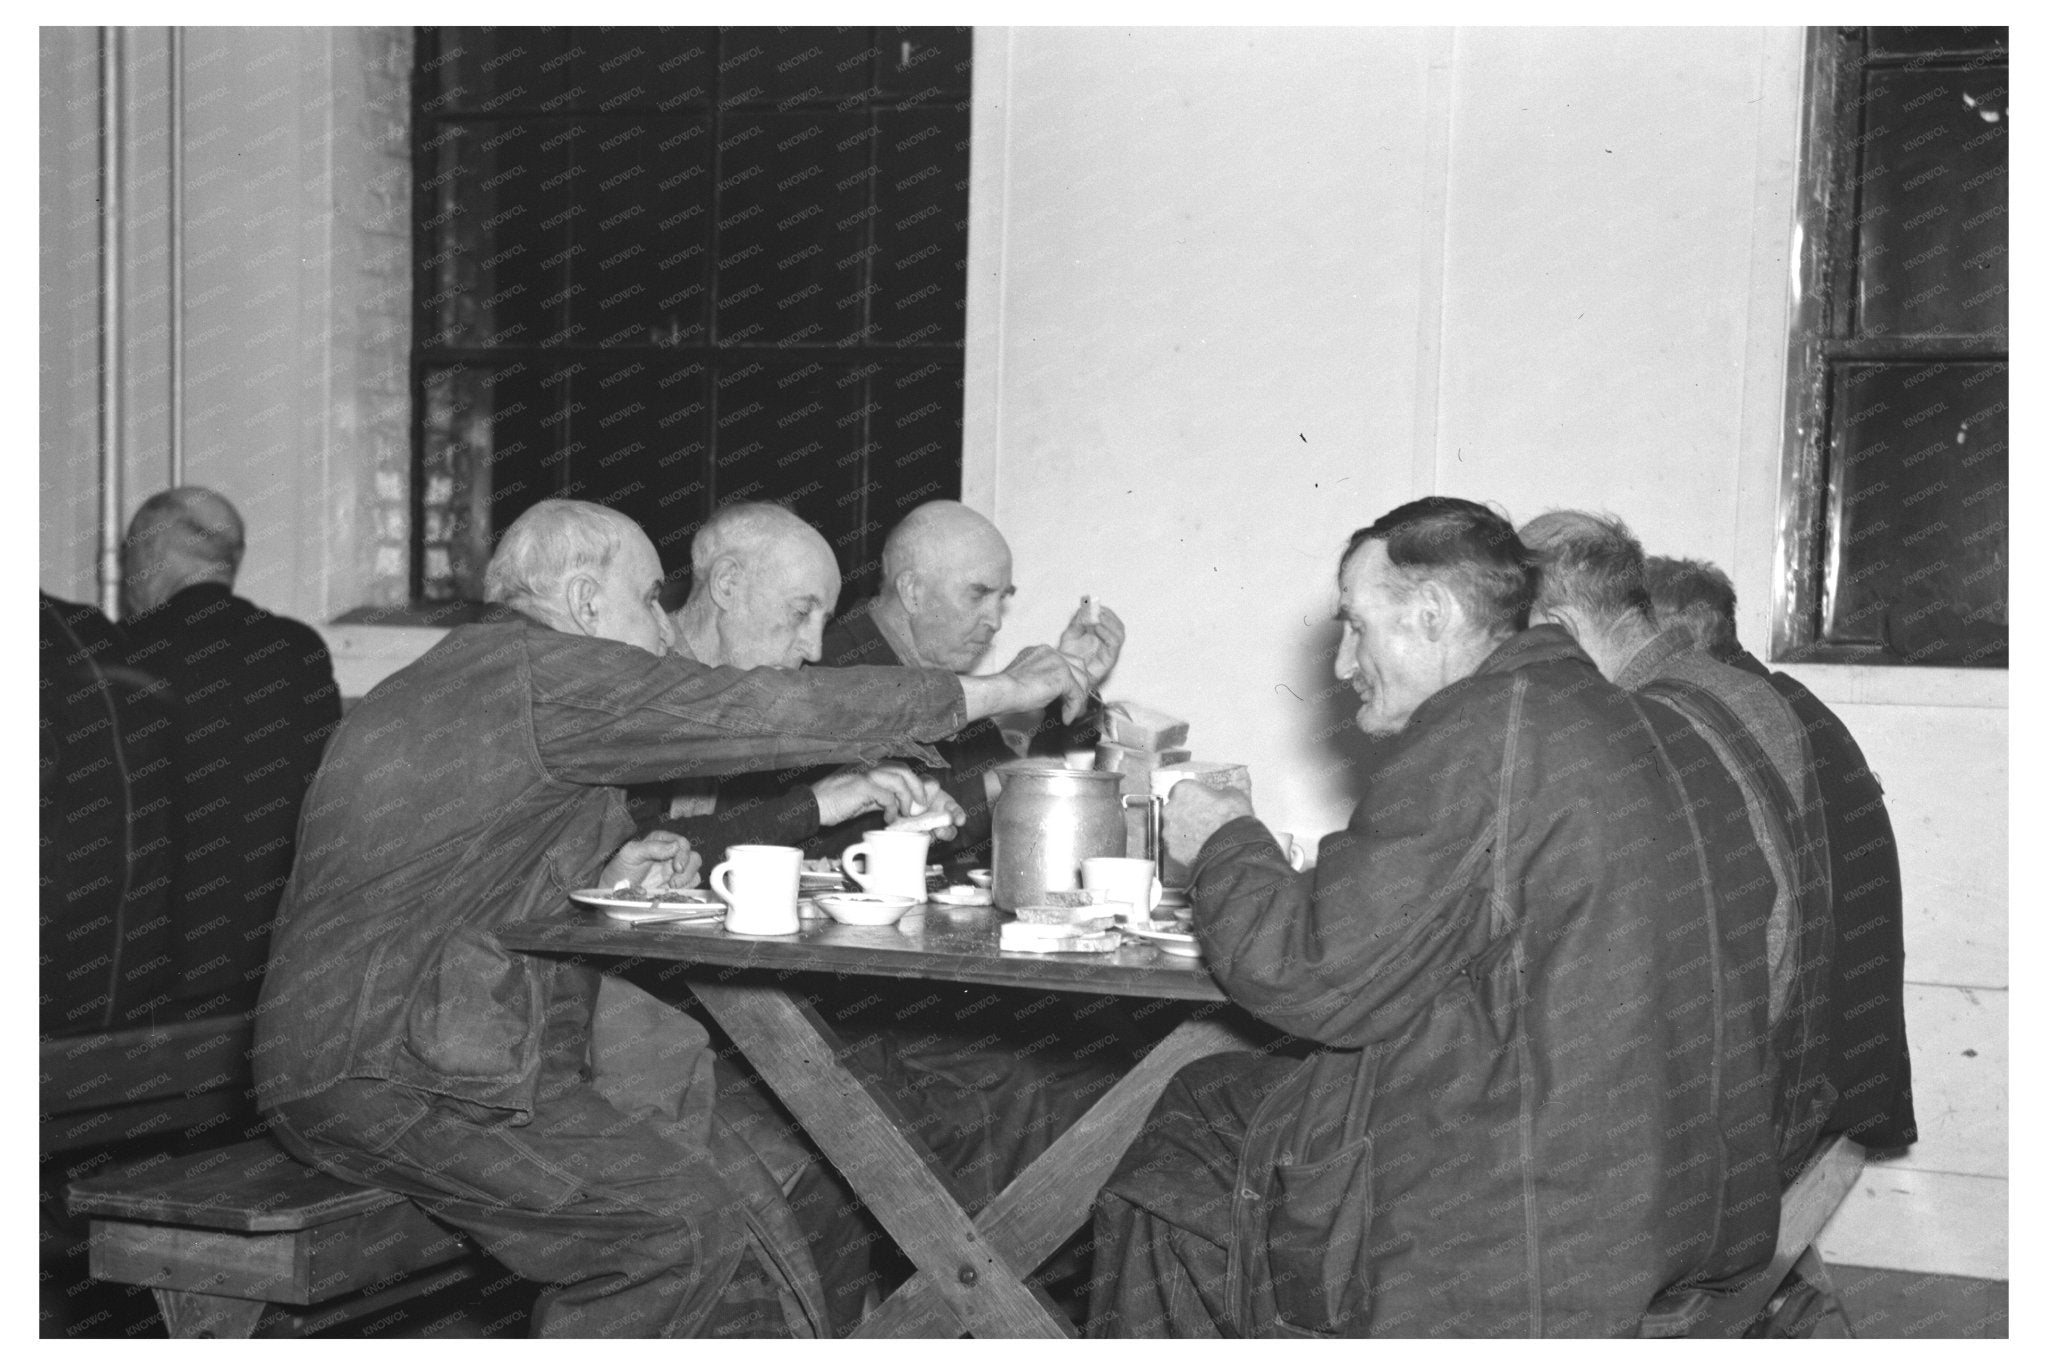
1047, 819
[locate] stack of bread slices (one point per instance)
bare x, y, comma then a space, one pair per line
1068, 922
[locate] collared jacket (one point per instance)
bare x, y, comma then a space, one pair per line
1539, 1107
476, 788
1760, 741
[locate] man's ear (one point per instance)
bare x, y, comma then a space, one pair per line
1436, 609
1558, 616
725, 583
909, 591
581, 595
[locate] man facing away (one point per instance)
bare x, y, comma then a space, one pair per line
259, 701
1591, 582
1511, 1119
579, 1134
1868, 1062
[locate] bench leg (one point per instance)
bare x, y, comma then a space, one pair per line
187, 1314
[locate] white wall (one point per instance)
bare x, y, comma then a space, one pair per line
1235, 293
297, 290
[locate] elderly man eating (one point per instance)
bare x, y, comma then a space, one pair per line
398, 1045
1503, 973
763, 582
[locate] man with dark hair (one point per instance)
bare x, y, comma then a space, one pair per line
1868, 1062
1506, 965
1591, 582
257, 700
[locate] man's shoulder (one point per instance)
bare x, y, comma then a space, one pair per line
854, 638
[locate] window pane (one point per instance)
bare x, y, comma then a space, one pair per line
921, 242
481, 69
642, 265
1918, 494
1923, 39
1932, 220
492, 447
925, 63
786, 66
793, 195
659, 69
639, 444
497, 233
793, 436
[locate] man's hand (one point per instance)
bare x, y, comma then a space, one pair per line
1194, 811
889, 788
941, 817
1093, 645
662, 860
1034, 678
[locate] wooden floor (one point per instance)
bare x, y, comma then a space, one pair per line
1881, 1303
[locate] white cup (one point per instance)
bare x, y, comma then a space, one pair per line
758, 884
889, 862
1125, 881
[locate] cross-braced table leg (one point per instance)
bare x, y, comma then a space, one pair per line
969, 1270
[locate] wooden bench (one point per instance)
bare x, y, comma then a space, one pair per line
244, 1241
1803, 1210
239, 1240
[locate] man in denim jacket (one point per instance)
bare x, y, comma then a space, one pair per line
399, 1045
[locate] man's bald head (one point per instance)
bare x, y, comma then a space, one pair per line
177, 538
946, 580
763, 583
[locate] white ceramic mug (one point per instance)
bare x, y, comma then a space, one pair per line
889, 862
1126, 881
758, 884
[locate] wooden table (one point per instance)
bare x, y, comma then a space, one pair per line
970, 1276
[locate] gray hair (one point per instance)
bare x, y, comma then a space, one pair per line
195, 522
1697, 594
552, 540
742, 530
1590, 564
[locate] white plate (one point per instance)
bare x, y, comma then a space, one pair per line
1180, 945
961, 895
631, 909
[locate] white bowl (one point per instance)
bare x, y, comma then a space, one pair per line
868, 910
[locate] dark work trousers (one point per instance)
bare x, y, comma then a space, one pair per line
1163, 1220
635, 1229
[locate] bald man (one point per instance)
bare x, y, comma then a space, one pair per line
988, 1078
763, 583
258, 702
945, 585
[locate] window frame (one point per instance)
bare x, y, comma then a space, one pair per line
1823, 279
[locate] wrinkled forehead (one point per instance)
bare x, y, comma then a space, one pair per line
1369, 578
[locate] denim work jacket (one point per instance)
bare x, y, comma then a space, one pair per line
1540, 1102
475, 789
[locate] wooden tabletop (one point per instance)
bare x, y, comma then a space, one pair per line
935, 943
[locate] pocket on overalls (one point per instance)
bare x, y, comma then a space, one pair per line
1316, 1238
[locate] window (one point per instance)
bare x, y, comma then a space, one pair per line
664, 269
1892, 543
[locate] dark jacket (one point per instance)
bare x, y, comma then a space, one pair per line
1533, 1067
476, 788
258, 701
1868, 1062
108, 792
1758, 739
